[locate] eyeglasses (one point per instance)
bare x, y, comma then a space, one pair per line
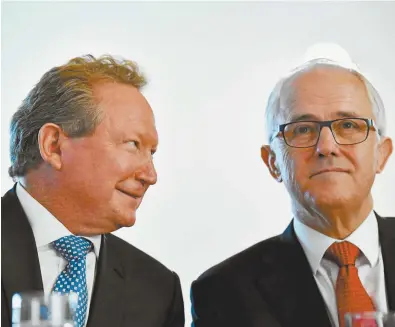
345, 131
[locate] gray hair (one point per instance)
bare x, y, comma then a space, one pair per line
64, 97
283, 89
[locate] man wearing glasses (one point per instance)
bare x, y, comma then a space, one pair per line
327, 141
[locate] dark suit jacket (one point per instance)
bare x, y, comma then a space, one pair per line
271, 285
131, 288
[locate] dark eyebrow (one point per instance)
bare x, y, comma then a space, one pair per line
340, 114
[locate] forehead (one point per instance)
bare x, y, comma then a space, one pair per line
126, 111
326, 93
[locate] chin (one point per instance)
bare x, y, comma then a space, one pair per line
328, 199
125, 217
128, 220
130, 223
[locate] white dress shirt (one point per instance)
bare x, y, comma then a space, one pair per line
370, 263
46, 229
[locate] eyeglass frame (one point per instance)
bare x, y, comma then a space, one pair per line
326, 123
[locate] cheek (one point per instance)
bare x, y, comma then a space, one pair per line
113, 167
96, 167
293, 165
287, 166
362, 158
364, 165
126, 164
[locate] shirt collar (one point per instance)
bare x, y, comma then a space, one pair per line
315, 244
42, 221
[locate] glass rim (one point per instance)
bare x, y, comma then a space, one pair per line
368, 121
329, 123
370, 314
280, 130
293, 145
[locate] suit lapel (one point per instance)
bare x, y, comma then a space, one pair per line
108, 292
387, 241
288, 285
20, 264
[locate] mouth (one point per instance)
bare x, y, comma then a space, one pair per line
130, 194
330, 170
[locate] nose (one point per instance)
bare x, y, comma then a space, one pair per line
146, 174
327, 145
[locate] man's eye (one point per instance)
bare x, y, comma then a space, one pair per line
303, 129
348, 125
132, 144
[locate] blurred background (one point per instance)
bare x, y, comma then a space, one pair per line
211, 67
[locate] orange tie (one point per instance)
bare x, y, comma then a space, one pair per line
351, 296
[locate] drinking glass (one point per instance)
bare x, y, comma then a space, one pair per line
370, 319
35, 309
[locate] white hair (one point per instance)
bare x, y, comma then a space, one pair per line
284, 88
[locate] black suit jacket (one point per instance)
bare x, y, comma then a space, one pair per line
271, 285
131, 288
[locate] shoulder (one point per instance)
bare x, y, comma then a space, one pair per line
142, 270
14, 222
244, 263
219, 293
9, 201
385, 222
133, 258
388, 220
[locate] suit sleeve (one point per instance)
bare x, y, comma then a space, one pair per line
215, 304
176, 316
5, 309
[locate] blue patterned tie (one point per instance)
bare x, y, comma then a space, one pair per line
73, 278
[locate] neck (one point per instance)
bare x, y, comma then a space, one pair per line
336, 222
44, 189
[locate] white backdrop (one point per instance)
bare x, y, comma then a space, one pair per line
211, 67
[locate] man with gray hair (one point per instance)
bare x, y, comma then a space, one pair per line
326, 142
82, 146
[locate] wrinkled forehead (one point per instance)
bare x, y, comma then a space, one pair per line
330, 87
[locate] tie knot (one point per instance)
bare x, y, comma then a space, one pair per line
72, 247
343, 253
